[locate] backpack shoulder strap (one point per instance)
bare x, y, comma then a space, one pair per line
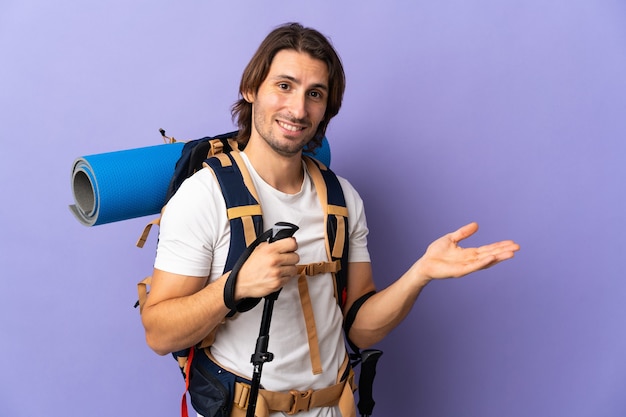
242, 202
333, 203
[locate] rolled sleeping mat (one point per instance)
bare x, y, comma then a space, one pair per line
122, 185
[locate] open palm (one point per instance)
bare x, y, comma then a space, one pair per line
444, 258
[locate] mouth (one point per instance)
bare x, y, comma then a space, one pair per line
290, 127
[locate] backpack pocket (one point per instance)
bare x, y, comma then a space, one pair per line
211, 387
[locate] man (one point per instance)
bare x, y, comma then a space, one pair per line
291, 89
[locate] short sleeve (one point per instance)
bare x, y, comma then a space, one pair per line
357, 223
192, 227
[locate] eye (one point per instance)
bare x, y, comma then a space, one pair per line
315, 94
283, 86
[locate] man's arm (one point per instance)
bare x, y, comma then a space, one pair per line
444, 258
182, 310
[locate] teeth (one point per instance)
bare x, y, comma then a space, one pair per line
290, 127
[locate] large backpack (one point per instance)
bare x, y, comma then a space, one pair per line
220, 153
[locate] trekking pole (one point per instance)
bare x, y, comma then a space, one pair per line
369, 359
280, 230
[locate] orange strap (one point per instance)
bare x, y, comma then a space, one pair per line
307, 308
146, 231
142, 292
183, 404
311, 330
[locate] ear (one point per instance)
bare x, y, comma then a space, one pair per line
248, 96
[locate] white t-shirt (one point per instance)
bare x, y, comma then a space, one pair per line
194, 240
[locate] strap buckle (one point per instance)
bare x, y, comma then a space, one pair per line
301, 401
217, 147
314, 269
317, 268
241, 395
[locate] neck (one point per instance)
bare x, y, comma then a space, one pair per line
284, 173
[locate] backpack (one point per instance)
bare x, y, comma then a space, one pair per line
220, 153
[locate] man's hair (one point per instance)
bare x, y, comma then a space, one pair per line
292, 36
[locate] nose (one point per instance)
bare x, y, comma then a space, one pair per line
297, 106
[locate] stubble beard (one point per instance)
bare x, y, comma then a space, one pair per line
268, 133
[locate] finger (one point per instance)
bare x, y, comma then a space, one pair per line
496, 257
289, 259
285, 245
464, 232
485, 261
505, 245
500, 251
288, 272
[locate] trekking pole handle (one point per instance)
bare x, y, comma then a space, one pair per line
282, 230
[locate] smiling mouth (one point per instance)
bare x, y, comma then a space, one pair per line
290, 127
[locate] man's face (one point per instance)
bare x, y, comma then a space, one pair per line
290, 103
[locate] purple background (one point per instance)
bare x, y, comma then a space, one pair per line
512, 114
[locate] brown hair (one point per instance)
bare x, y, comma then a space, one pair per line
290, 36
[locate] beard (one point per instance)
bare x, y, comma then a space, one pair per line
280, 142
